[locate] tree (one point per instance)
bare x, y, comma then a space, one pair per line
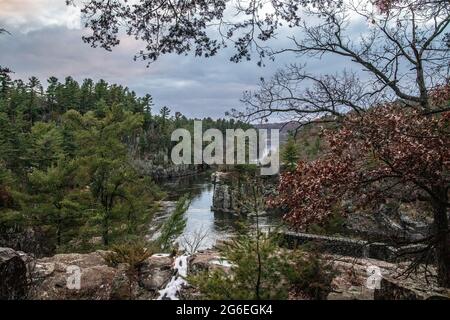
46, 145
12, 144
146, 103
291, 153
164, 112
389, 154
70, 95
5, 82
87, 99
52, 94
33, 107
402, 54
104, 165
174, 226
51, 199
403, 51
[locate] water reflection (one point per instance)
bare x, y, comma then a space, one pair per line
201, 220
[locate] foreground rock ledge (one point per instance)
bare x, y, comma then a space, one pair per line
98, 280
22, 277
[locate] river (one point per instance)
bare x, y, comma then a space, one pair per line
201, 221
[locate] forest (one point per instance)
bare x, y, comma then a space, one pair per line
66, 167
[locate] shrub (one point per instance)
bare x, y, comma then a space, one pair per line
248, 279
308, 275
281, 272
131, 253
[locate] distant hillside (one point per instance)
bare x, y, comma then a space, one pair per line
284, 127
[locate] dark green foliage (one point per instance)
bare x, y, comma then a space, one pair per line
131, 253
242, 283
283, 272
290, 153
66, 156
174, 225
308, 275
333, 226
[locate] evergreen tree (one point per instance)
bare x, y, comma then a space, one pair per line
104, 162
52, 95
291, 153
51, 199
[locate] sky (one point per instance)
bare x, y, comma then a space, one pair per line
46, 41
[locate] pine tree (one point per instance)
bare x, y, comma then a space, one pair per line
104, 165
51, 94
51, 202
291, 153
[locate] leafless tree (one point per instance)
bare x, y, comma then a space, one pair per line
192, 242
402, 46
305, 97
402, 51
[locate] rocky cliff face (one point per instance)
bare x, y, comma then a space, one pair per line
223, 199
394, 223
227, 191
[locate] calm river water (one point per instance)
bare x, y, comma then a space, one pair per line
201, 220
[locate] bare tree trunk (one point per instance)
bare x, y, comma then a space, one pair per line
258, 279
442, 239
105, 234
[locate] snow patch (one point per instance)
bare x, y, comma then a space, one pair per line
161, 255
223, 263
177, 282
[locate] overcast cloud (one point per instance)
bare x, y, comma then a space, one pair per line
46, 41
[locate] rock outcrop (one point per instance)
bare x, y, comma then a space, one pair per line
155, 272
417, 289
13, 275
22, 277
98, 281
52, 276
207, 260
223, 200
390, 222
229, 192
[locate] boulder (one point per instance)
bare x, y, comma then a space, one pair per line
350, 281
124, 285
155, 272
206, 261
408, 289
51, 277
13, 275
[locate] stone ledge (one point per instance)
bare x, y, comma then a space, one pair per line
350, 247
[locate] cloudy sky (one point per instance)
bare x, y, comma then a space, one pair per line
46, 41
